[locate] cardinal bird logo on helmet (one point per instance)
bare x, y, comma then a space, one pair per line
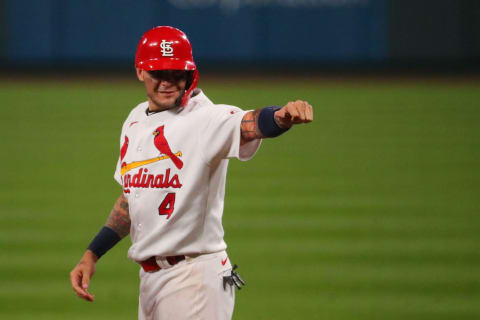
161, 144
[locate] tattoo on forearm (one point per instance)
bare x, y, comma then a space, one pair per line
249, 126
119, 219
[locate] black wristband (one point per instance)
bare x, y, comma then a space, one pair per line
103, 241
266, 123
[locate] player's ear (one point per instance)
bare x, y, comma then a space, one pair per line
139, 74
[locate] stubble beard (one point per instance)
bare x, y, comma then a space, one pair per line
162, 105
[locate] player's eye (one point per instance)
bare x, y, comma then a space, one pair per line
179, 75
157, 74
168, 75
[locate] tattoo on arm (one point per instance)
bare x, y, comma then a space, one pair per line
119, 219
249, 127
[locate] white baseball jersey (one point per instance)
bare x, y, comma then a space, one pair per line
172, 168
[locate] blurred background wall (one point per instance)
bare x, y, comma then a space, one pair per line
338, 34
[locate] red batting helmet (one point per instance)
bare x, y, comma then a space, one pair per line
167, 48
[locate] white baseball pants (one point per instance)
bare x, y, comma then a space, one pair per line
191, 289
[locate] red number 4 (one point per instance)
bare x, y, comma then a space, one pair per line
167, 206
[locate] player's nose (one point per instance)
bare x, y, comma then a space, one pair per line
165, 83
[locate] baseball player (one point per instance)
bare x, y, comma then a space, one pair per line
174, 152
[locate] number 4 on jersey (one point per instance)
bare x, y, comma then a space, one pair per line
167, 206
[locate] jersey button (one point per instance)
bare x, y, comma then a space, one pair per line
137, 195
139, 149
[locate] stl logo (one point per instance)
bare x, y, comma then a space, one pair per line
167, 50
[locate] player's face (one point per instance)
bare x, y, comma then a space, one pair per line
163, 87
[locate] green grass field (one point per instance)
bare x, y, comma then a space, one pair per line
370, 212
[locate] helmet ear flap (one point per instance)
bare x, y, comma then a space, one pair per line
189, 79
190, 88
